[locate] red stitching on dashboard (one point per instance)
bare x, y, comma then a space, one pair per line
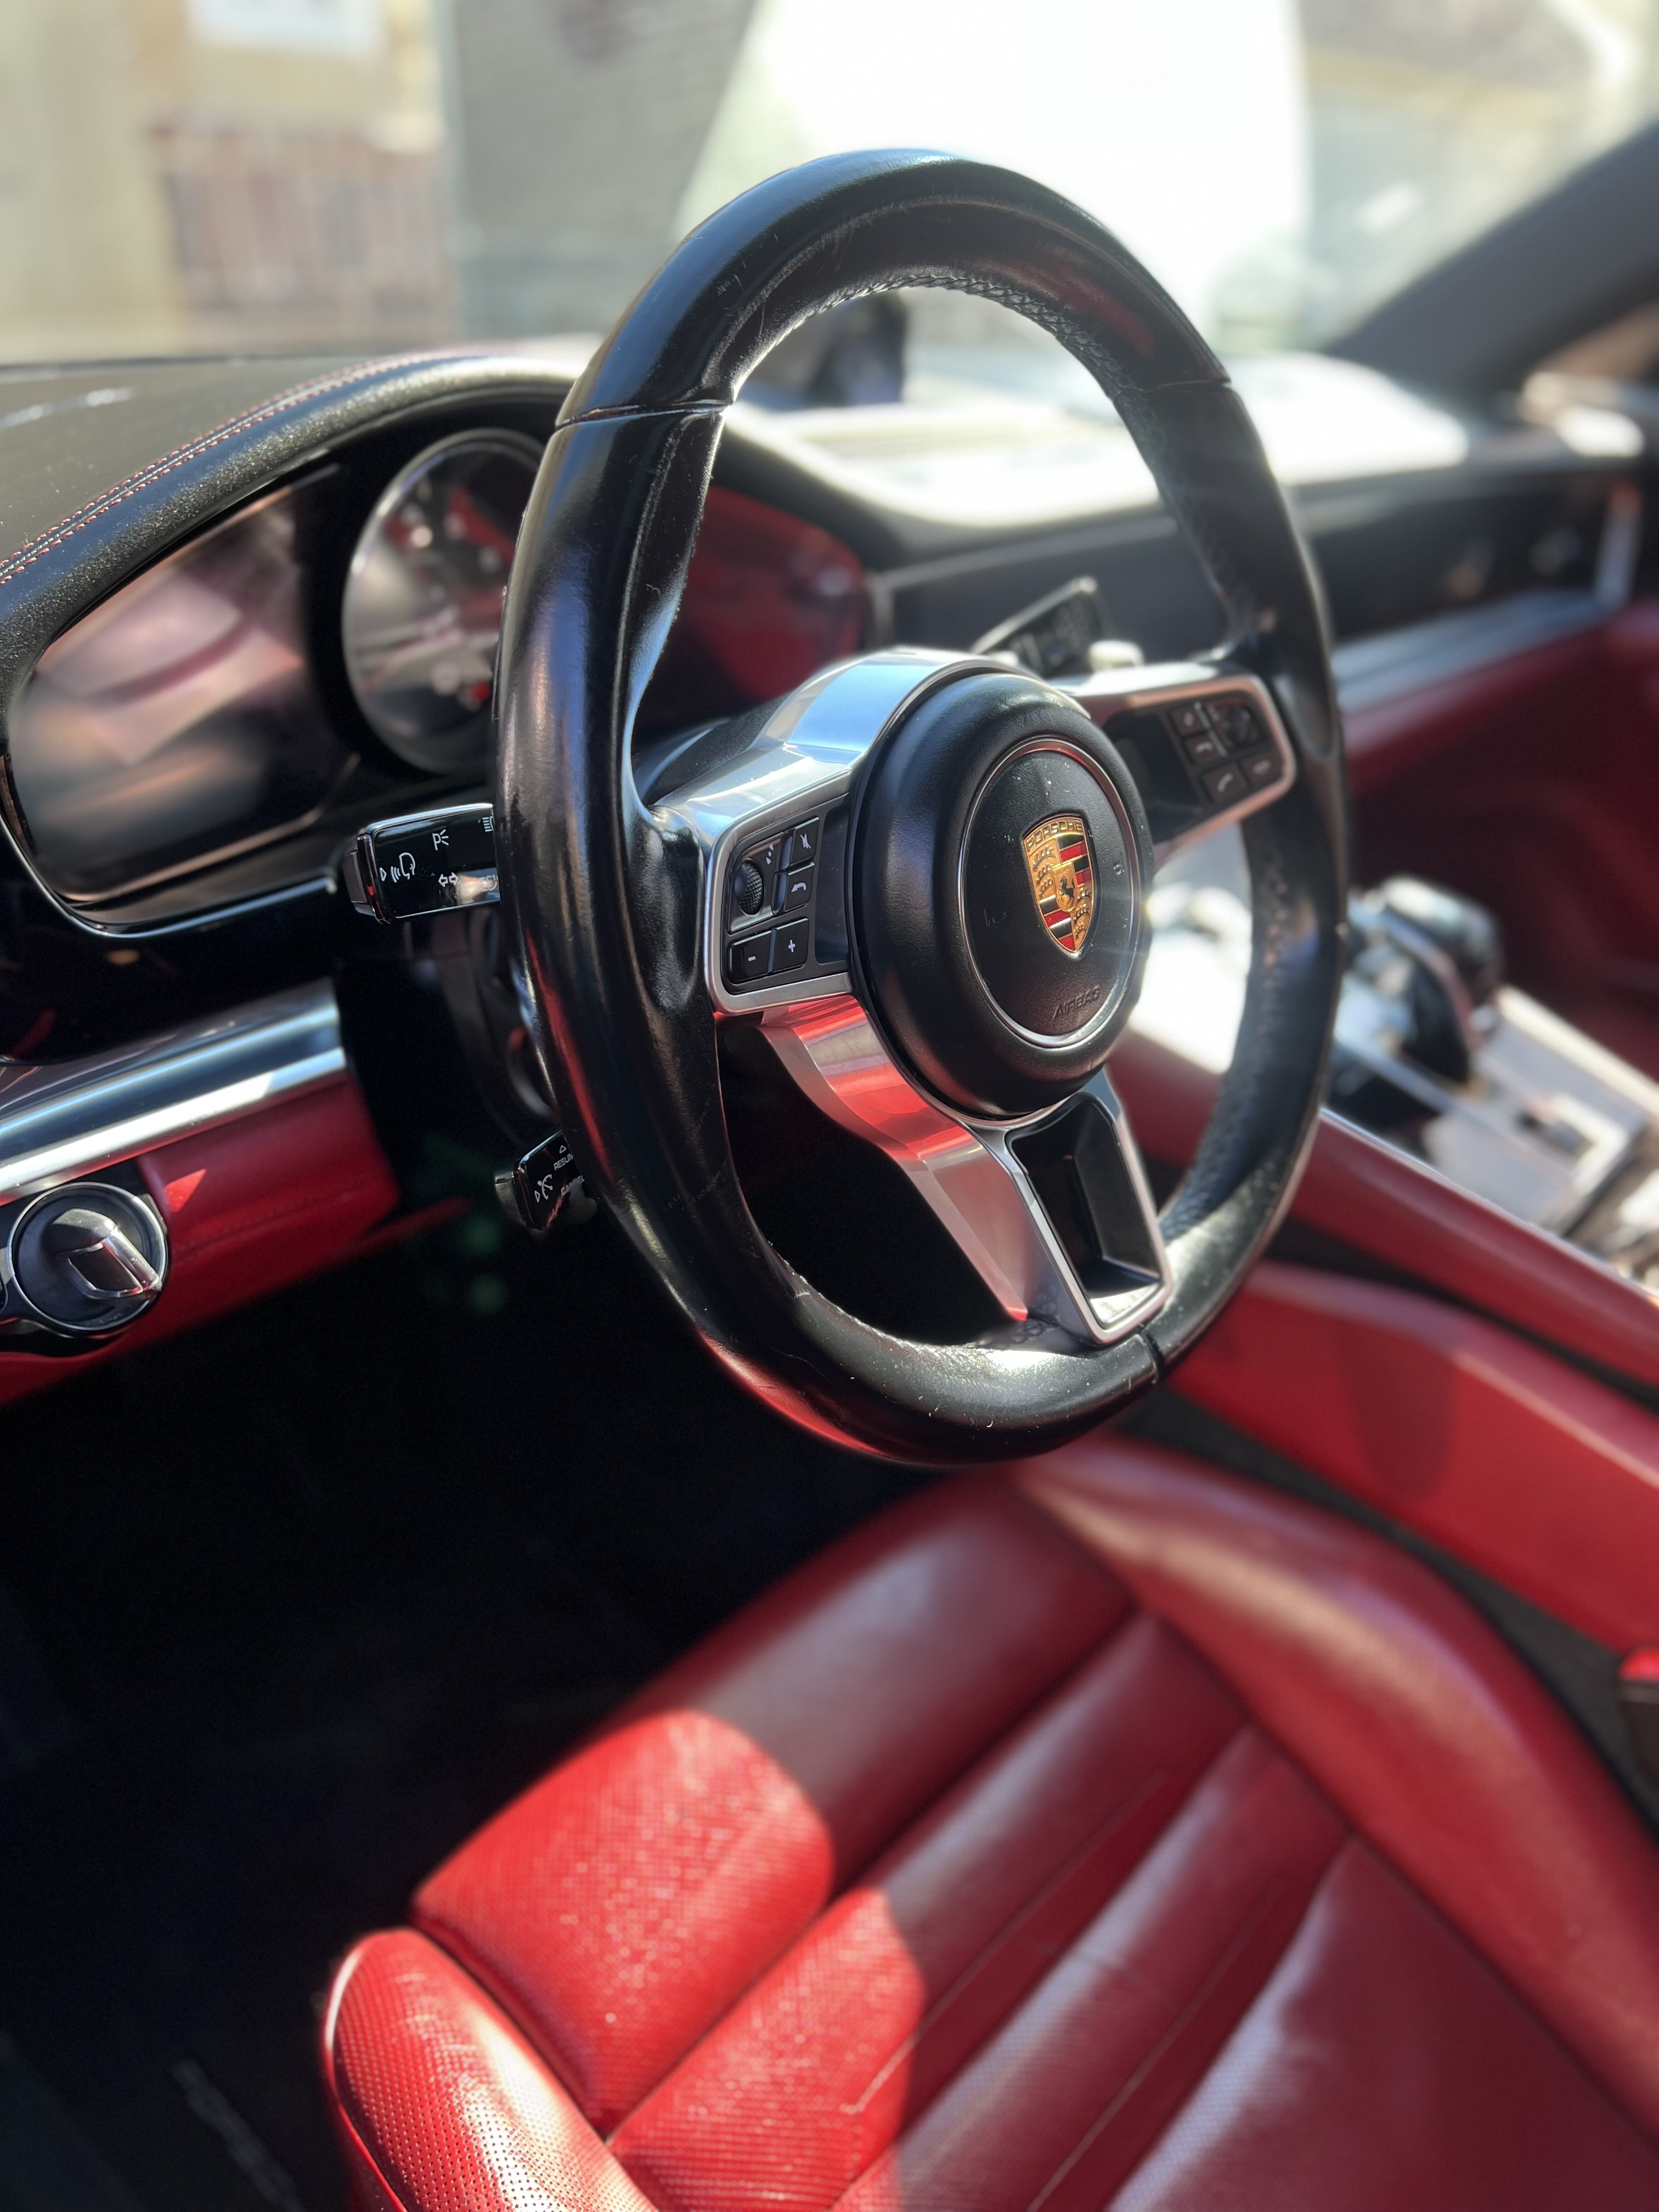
37, 548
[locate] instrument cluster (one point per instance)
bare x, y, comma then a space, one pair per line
422, 616
256, 695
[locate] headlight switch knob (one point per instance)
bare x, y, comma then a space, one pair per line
88, 1258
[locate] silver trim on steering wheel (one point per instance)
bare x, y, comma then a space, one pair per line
968, 1173
804, 761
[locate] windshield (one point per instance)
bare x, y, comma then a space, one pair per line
300, 175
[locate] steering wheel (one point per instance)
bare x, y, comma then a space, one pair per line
923, 875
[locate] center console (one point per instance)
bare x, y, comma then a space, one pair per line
1435, 1055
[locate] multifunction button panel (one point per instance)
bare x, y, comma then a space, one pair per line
1202, 759
779, 925
1225, 747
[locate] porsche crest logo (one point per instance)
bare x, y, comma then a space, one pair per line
1063, 871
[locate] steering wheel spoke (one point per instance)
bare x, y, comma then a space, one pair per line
1054, 1215
1205, 745
769, 813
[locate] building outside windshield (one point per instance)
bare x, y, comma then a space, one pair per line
311, 175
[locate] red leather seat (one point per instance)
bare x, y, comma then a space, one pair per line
1110, 1833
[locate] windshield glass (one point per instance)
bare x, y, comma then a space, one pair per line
293, 175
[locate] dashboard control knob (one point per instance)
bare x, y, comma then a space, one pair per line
88, 1258
98, 1257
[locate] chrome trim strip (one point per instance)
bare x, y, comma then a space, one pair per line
85, 1115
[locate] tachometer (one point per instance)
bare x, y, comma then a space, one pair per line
421, 617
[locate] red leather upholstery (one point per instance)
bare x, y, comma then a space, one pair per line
1505, 1457
441, 2102
1115, 1833
621, 1906
880, 2004
1369, 1195
1123, 2028
1383, 2066
1438, 1744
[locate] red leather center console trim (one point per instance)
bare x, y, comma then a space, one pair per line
248, 1208
1439, 1746
1367, 1195
1540, 1478
1362, 1192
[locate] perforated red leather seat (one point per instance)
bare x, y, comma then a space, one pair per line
1113, 1833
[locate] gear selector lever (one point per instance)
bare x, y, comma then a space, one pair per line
1449, 955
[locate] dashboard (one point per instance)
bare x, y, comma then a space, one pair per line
272, 618
214, 728
304, 660
247, 609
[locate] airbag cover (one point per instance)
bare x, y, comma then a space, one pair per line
999, 866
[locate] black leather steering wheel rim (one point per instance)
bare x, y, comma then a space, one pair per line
605, 906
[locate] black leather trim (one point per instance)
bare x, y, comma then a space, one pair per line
833, 229
605, 907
